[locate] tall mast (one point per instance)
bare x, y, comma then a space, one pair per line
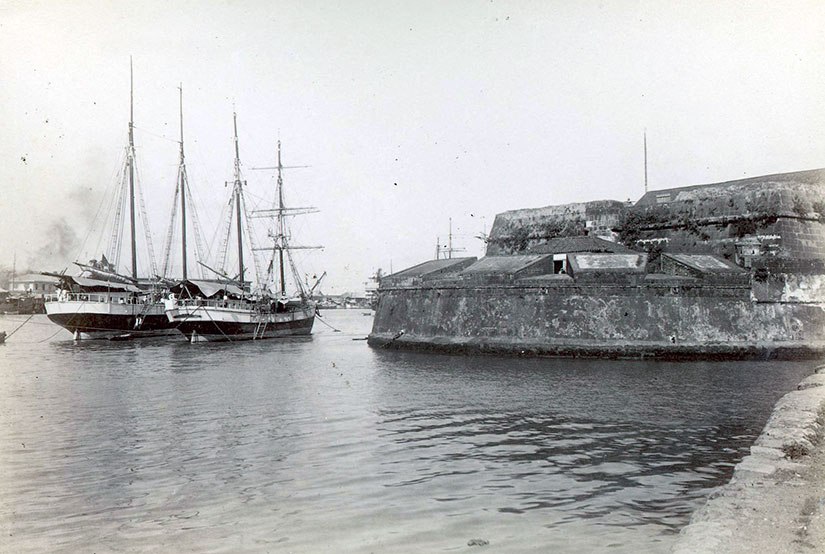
238, 199
450, 240
182, 188
645, 135
132, 166
281, 229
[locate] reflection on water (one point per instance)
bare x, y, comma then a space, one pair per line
322, 444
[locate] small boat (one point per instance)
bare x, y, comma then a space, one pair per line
225, 310
2, 337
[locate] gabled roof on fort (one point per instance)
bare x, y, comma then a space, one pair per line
431, 266
608, 262
705, 263
503, 264
811, 177
634, 263
567, 245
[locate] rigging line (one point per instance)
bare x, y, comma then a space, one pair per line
19, 326
257, 198
325, 323
116, 246
148, 132
295, 274
196, 226
224, 247
252, 239
146, 227
52, 336
106, 192
217, 232
167, 248
216, 325
112, 196
115, 207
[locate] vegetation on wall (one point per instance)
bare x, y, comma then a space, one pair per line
517, 236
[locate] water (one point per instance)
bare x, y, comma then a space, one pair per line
326, 445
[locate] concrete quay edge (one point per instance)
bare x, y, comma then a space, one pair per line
775, 501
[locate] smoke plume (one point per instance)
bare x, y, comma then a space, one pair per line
61, 246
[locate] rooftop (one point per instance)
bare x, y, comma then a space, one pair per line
608, 262
35, 278
428, 267
706, 263
566, 245
503, 264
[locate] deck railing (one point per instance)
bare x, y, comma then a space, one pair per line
102, 298
214, 303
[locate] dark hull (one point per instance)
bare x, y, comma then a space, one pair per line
98, 325
207, 330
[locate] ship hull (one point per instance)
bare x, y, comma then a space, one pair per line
104, 320
214, 324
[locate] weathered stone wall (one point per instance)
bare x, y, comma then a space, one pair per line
518, 230
785, 213
687, 317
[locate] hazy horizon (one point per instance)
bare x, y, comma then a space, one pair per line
408, 113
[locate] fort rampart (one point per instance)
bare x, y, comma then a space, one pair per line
660, 319
734, 270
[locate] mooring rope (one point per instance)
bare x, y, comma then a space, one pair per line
19, 326
327, 324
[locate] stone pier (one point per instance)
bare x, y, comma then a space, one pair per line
775, 501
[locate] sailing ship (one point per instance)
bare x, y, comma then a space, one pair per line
226, 310
101, 303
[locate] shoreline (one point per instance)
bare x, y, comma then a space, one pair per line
775, 500
619, 349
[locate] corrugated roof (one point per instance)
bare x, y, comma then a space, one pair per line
427, 267
706, 263
603, 262
566, 245
503, 264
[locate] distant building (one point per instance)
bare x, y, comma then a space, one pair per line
36, 284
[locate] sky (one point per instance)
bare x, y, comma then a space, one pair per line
409, 114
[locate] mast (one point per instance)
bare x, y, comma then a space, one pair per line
132, 167
238, 200
182, 189
450, 240
645, 135
281, 228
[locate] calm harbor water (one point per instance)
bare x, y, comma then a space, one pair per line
326, 445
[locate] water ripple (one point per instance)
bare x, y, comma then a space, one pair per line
324, 445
